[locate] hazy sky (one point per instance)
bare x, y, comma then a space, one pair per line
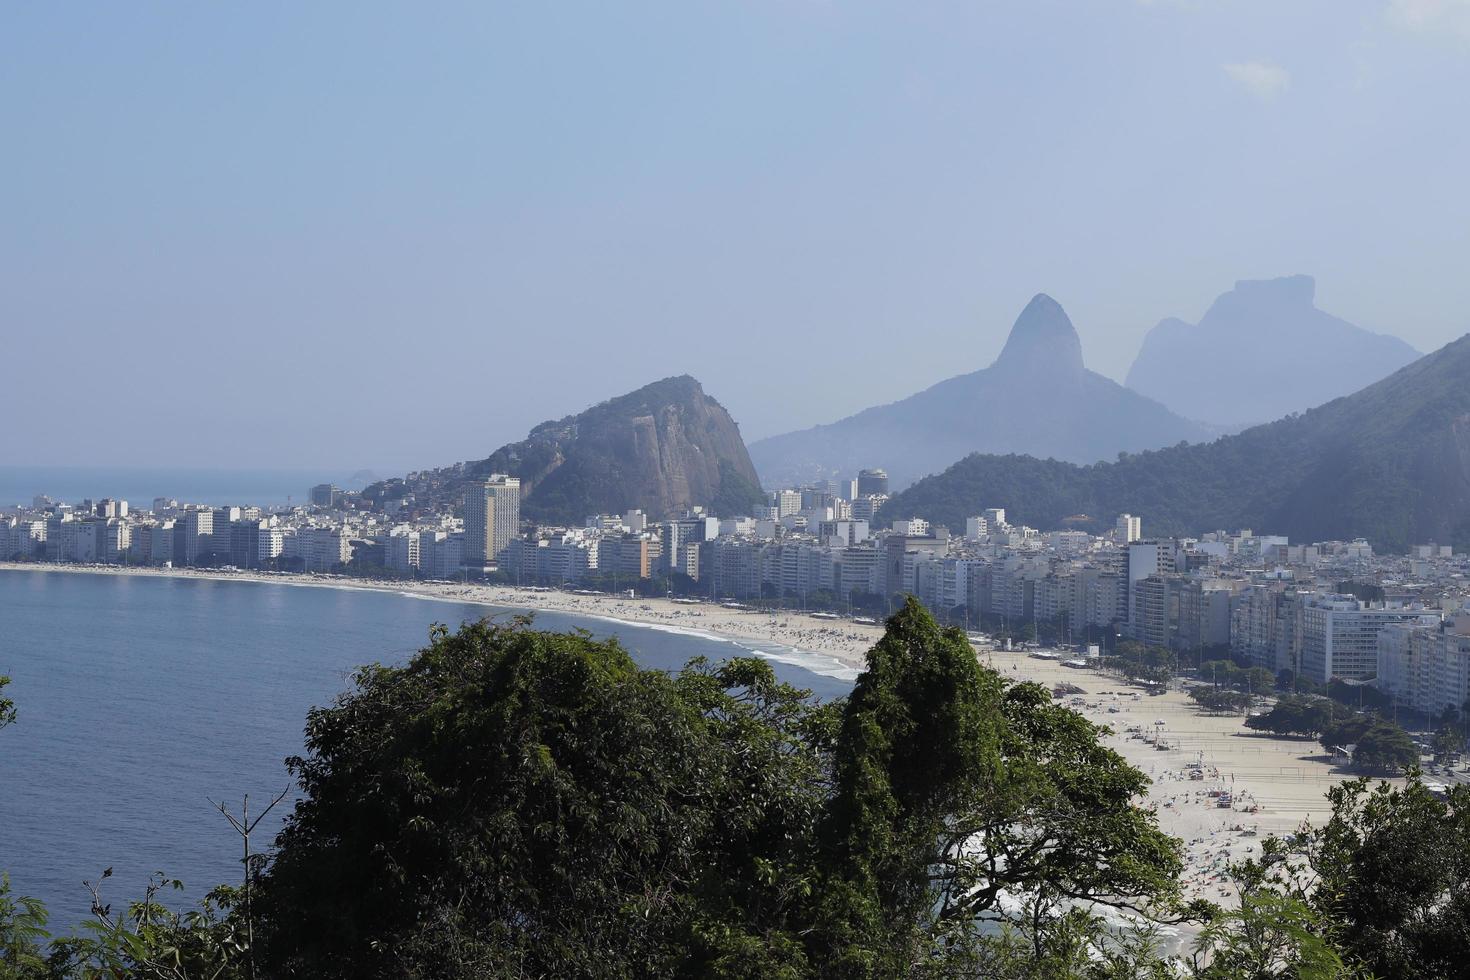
389, 236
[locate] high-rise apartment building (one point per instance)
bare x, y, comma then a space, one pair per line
324, 495
1340, 636
401, 550
786, 502
492, 517
870, 483
197, 539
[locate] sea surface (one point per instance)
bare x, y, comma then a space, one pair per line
138, 486
142, 699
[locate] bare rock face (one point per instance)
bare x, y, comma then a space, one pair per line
1261, 351
663, 448
1042, 340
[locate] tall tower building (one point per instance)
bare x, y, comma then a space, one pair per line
492, 517
870, 483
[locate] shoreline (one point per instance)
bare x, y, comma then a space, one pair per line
834, 648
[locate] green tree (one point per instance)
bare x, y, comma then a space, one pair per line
1259, 680
1393, 868
1447, 742
519, 803
958, 793
1273, 932
1346, 728
7, 706
920, 737
1300, 715
1385, 745
1220, 700
23, 935
1057, 824
512, 802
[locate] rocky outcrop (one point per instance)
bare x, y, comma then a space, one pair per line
1038, 397
1042, 341
1261, 351
663, 448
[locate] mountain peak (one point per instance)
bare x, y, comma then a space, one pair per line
1299, 291
1244, 361
1042, 338
662, 448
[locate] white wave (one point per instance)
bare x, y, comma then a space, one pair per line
816, 663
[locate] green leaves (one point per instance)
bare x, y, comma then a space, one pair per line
537, 801
516, 803
7, 706
1394, 868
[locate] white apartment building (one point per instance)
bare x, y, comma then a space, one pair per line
1424, 663
401, 550
842, 534
21, 538
441, 555
735, 568
1340, 636
803, 568
270, 544
161, 543
858, 570
567, 557
116, 540
322, 549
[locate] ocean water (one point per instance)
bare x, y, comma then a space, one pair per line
69, 484
142, 699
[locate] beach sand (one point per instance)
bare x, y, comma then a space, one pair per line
1276, 784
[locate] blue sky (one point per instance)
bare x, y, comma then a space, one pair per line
362, 235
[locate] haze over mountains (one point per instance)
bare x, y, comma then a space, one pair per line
1390, 463
662, 448
1036, 432
1261, 351
1038, 398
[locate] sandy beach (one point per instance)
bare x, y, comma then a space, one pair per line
1275, 783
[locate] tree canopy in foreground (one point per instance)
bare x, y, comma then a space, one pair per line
523, 803
514, 803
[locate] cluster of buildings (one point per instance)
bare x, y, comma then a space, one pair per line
1324, 610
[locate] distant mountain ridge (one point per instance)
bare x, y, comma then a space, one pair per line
1261, 351
1037, 397
663, 448
1390, 463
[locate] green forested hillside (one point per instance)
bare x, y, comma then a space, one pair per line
1390, 463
